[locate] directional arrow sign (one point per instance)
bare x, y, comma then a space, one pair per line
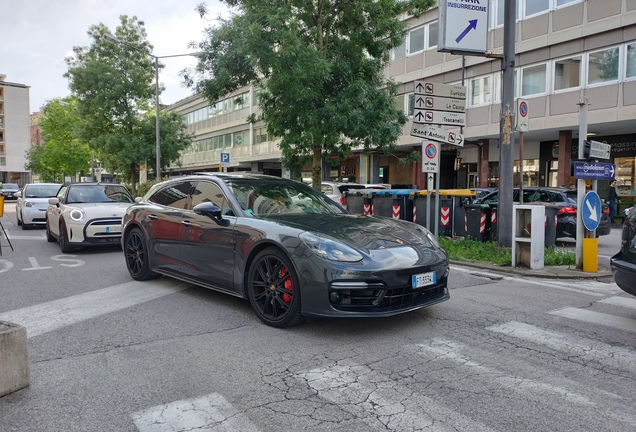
442, 90
591, 212
463, 26
440, 103
439, 117
438, 134
594, 170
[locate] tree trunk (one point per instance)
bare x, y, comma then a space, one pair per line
316, 168
133, 178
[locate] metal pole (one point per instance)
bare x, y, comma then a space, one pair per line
157, 131
93, 167
506, 137
580, 183
437, 204
520, 167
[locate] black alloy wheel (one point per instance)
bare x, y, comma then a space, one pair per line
273, 289
65, 247
49, 236
137, 257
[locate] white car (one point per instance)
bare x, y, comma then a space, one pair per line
334, 190
87, 214
33, 200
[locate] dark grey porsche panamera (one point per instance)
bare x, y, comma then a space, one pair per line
287, 248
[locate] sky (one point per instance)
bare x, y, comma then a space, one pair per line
37, 35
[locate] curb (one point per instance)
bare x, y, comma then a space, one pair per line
548, 272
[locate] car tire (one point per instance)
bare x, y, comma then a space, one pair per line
274, 298
136, 256
21, 222
18, 218
65, 247
49, 236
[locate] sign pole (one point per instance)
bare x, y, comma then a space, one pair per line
580, 183
437, 210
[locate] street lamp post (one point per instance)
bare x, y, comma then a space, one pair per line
112, 38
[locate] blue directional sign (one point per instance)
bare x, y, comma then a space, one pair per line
591, 211
463, 26
594, 170
225, 158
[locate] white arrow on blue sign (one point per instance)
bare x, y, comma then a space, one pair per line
591, 211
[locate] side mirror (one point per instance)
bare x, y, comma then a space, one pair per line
208, 209
54, 201
138, 199
18, 194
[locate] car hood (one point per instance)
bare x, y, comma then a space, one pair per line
367, 233
102, 209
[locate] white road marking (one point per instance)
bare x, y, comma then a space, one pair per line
398, 409
444, 349
8, 265
628, 324
620, 301
576, 347
25, 237
35, 265
45, 317
205, 413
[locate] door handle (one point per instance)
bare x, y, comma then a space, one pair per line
152, 217
186, 223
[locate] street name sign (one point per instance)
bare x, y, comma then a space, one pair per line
441, 90
430, 157
439, 117
599, 150
591, 212
440, 103
594, 170
438, 134
463, 26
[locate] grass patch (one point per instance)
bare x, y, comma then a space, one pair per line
490, 252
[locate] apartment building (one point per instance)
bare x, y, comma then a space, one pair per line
15, 139
567, 52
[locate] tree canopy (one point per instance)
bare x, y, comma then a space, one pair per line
114, 83
320, 65
62, 152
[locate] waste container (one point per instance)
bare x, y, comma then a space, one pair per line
355, 200
493, 222
477, 222
451, 210
394, 203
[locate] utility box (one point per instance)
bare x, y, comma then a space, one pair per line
528, 236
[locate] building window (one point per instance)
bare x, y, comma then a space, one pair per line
560, 3
433, 34
3, 161
400, 51
261, 135
535, 7
567, 73
241, 138
603, 66
480, 91
630, 61
416, 40
411, 108
399, 102
533, 80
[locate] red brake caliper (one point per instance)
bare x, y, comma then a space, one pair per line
288, 286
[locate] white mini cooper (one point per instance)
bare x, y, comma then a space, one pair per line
87, 214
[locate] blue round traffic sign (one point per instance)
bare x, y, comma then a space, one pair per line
523, 109
591, 211
430, 150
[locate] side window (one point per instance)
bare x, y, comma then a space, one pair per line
173, 196
207, 191
62, 193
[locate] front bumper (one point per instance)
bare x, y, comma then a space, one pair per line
33, 216
624, 273
95, 232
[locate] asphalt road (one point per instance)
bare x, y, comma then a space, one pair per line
504, 354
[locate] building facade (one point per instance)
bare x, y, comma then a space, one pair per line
15, 139
568, 52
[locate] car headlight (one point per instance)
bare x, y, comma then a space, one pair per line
28, 204
330, 249
77, 215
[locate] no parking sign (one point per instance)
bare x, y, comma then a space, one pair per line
430, 157
523, 118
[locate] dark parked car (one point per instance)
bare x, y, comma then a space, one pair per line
283, 245
8, 191
623, 264
564, 198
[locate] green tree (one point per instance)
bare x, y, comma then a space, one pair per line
114, 85
320, 66
62, 151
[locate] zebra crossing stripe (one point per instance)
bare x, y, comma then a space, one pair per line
620, 301
358, 385
45, 317
205, 413
449, 350
581, 348
622, 323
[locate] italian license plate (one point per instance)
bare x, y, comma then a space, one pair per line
424, 279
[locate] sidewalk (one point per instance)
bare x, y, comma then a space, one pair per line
549, 272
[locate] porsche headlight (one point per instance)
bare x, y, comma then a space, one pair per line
77, 215
428, 235
330, 249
